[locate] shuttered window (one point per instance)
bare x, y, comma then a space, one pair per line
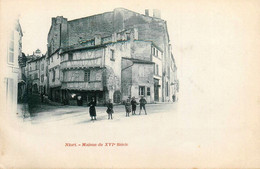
87, 76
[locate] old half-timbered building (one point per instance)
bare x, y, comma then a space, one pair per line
114, 55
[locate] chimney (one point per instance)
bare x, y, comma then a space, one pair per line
135, 33
157, 13
146, 12
114, 37
97, 39
53, 20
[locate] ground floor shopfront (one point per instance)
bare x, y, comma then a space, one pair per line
69, 97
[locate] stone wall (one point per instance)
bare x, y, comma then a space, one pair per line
58, 34
142, 75
126, 79
141, 50
87, 28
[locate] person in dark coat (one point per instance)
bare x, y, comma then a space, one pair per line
133, 103
127, 107
79, 101
173, 98
92, 109
110, 110
142, 105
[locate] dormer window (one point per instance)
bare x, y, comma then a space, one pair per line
112, 55
70, 56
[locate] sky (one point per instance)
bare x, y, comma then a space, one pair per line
35, 17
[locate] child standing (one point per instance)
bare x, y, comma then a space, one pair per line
110, 110
133, 103
127, 107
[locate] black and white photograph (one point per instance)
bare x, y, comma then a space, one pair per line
130, 84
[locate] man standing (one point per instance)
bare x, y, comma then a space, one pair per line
142, 105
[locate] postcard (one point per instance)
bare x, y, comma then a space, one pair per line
130, 84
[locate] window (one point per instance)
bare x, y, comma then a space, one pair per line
156, 69
36, 66
153, 51
11, 49
42, 66
128, 36
58, 73
148, 91
117, 97
167, 89
141, 90
42, 78
9, 89
35, 76
30, 68
157, 53
53, 77
64, 76
87, 76
70, 56
51, 59
112, 54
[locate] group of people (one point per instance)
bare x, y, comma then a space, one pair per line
130, 106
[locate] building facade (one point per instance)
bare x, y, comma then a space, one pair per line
43, 75
54, 74
36, 72
22, 80
114, 55
12, 50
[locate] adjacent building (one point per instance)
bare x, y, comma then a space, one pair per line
116, 55
22, 80
12, 50
43, 75
36, 72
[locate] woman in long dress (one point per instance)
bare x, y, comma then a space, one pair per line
92, 109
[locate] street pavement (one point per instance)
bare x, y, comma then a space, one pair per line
46, 114
180, 135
